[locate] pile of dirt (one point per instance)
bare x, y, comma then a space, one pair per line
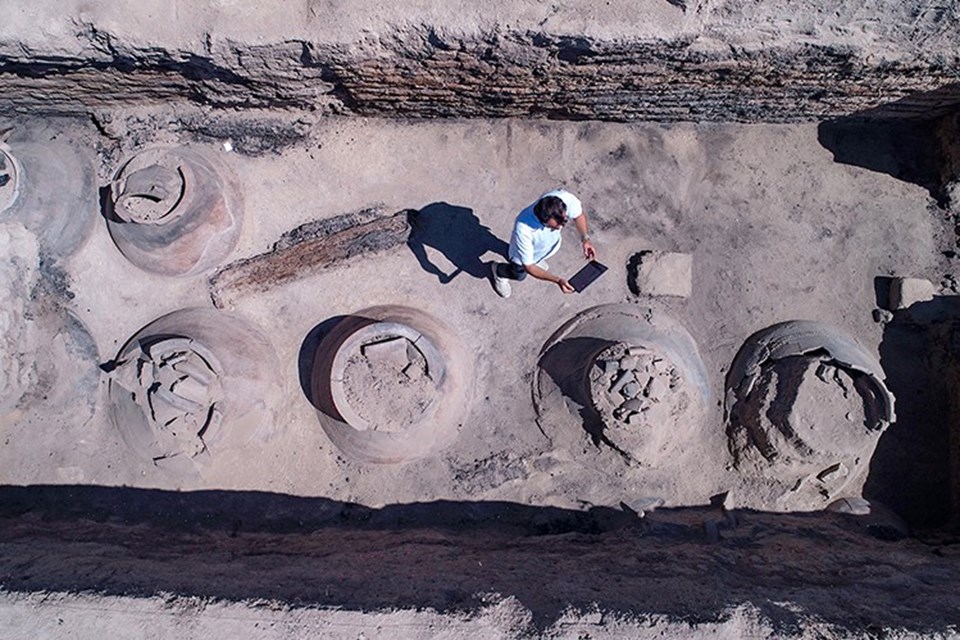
388, 384
640, 396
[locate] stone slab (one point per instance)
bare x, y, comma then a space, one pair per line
663, 273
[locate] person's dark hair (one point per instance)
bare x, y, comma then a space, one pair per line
550, 207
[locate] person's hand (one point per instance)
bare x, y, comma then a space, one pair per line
588, 251
565, 286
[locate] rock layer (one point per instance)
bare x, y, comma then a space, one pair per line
711, 61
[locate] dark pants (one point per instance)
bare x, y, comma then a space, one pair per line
511, 270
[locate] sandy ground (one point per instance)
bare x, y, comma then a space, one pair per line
889, 29
777, 230
64, 616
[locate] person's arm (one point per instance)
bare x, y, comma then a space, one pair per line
580, 222
543, 274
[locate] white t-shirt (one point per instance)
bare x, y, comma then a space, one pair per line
533, 241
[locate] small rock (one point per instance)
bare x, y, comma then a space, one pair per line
622, 378
609, 367
724, 500
949, 284
657, 387
952, 192
675, 379
630, 390
628, 363
643, 505
833, 473
594, 618
855, 506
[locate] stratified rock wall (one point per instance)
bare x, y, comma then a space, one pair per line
539, 75
649, 60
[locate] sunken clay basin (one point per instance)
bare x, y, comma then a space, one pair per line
175, 212
390, 384
191, 384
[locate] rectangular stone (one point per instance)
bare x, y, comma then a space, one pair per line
662, 273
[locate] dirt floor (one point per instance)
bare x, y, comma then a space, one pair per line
777, 228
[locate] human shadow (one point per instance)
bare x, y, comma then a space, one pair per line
901, 138
455, 232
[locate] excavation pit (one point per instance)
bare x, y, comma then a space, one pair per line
776, 230
389, 384
631, 374
191, 384
386, 377
807, 403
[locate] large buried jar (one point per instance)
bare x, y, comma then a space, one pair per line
390, 384
191, 384
49, 187
806, 405
174, 211
631, 376
9, 179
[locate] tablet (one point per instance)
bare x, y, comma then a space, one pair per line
585, 277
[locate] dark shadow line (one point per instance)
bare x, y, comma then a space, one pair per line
444, 555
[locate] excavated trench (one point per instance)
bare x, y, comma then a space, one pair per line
189, 174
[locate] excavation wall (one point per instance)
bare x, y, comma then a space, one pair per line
830, 572
661, 61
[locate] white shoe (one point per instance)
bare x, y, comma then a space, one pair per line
500, 285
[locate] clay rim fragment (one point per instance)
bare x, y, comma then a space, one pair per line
9, 179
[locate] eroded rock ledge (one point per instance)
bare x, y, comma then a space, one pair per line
504, 73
